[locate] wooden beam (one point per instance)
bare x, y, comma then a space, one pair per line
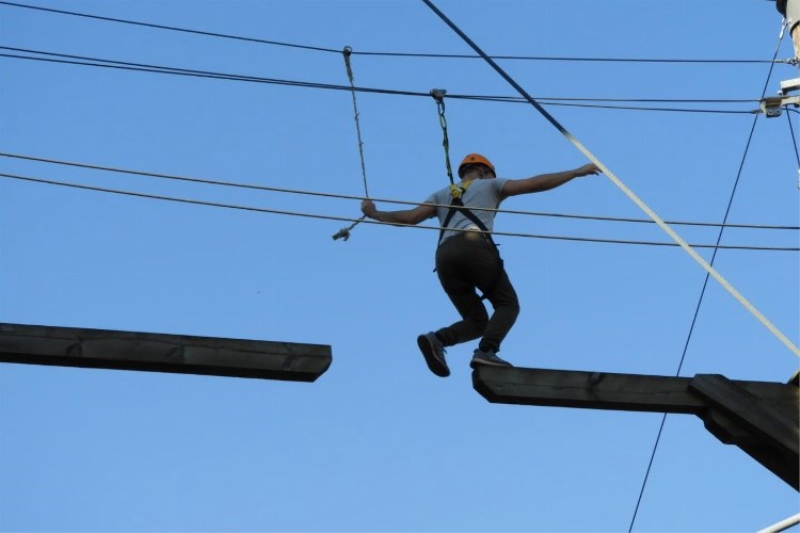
155, 352
590, 390
761, 418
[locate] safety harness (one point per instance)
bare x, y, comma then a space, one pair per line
457, 206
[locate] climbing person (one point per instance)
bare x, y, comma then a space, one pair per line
467, 257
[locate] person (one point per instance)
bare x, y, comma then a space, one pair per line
467, 258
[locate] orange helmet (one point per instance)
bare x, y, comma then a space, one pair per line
474, 159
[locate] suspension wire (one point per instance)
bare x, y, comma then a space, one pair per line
515, 99
349, 219
794, 143
705, 285
344, 233
438, 96
378, 53
638, 201
160, 69
386, 200
550, 101
794, 140
164, 27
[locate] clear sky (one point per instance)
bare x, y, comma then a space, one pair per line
378, 443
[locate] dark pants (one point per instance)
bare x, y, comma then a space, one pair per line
466, 262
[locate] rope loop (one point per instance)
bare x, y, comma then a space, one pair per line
438, 96
347, 52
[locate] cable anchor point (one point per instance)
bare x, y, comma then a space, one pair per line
438, 95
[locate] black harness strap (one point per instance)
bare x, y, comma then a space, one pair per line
457, 206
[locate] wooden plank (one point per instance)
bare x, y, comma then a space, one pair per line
590, 390
156, 352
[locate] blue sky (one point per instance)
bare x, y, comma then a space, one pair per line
378, 443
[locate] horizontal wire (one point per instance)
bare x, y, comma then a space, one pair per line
640, 100
139, 67
364, 220
464, 97
170, 28
383, 54
384, 200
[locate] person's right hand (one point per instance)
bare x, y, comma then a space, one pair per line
368, 208
588, 169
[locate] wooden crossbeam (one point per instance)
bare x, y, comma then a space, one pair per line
761, 418
156, 352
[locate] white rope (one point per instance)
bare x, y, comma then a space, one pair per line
783, 525
688, 249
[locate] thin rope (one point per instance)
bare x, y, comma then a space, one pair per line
794, 143
347, 52
644, 207
438, 96
705, 285
344, 233
385, 200
350, 219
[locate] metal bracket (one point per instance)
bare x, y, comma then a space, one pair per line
788, 86
772, 106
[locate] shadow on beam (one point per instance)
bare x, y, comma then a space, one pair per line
761, 418
151, 352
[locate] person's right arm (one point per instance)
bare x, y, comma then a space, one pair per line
545, 182
406, 216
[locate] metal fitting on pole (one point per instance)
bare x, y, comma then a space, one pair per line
790, 9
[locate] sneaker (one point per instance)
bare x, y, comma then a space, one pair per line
480, 358
433, 350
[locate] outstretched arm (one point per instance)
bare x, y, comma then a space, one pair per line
545, 182
406, 216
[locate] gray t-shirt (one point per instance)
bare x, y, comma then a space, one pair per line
482, 193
